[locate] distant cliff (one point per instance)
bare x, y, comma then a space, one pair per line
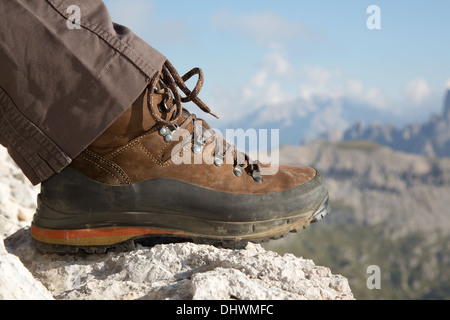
389, 209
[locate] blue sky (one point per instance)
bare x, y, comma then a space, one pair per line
257, 52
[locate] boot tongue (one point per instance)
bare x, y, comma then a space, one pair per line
135, 121
142, 114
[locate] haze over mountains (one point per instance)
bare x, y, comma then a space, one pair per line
306, 121
431, 138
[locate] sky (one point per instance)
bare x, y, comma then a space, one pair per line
256, 53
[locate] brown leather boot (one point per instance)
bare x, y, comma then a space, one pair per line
129, 184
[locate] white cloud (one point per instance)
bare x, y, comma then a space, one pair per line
278, 64
417, 91
317, 75
447, 85
132, 13
141, 17
266, 27
323, 84
265, 86
279, 91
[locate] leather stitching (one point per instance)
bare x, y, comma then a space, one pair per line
101, 167
110, 164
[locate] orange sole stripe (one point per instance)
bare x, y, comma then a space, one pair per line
93, 237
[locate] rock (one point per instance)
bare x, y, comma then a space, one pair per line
17, 196
16, 282
179, 271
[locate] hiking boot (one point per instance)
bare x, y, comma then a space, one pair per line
130, 186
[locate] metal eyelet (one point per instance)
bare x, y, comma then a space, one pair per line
237, 170
163, 131
197, 148
256, 174
167, 132
168, 138
218, 161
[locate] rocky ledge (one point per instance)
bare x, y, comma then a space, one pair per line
167, 271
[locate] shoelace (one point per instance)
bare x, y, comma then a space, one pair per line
166, 83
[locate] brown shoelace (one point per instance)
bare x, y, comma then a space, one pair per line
166, 83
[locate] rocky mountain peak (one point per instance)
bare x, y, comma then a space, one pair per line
430, 138
447, 105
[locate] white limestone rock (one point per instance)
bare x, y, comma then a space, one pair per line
16, 282
180, 271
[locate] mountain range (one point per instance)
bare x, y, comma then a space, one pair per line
325, 118
388, 209
389, 188
431, 138
305, 119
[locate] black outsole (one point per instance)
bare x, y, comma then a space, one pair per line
150, 241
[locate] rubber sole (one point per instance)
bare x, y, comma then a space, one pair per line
99, 239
